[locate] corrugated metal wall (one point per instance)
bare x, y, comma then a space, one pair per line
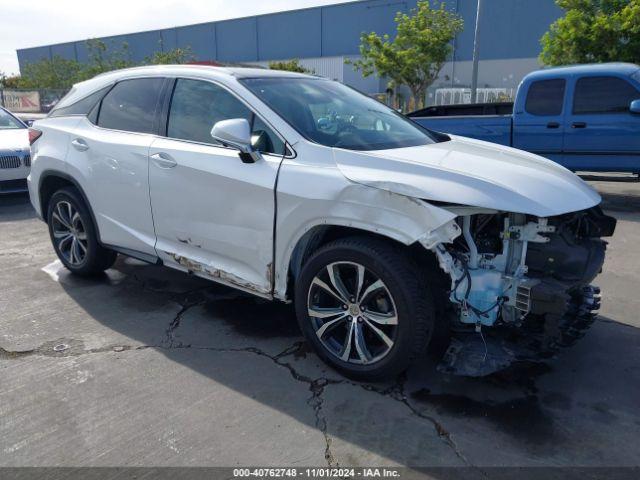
322, 37
329, 67
510, 29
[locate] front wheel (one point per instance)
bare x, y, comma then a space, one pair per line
364, 307
73, 234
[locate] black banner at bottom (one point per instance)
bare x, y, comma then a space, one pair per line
285, 473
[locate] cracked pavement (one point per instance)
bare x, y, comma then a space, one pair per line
145, 366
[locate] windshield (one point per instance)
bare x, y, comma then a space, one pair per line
335, 115
8, 122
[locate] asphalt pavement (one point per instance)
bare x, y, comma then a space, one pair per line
145, 366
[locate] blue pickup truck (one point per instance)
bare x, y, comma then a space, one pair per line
584, 117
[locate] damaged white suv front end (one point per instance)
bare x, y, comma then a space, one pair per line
520, 254
523, 281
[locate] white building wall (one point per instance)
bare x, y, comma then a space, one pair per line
494, 76
329, 67
497, 79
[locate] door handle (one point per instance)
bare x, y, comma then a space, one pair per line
553, 125
79, 144
579, 125
163, 160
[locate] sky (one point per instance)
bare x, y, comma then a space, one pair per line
30, 23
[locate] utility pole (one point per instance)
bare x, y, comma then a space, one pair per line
476, 53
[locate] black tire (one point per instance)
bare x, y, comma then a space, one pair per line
96, 258
407, 286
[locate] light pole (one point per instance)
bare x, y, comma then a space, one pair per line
476, 53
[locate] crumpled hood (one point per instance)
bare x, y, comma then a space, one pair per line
14, 139
471, 172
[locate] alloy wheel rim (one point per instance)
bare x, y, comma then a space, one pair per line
69, 233
352, 313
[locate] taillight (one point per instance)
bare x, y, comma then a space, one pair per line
34, 135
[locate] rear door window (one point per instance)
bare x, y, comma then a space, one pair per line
600, 95
131, 106
545, 97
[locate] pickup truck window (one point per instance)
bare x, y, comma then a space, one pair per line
334, 115
545, 97
603, 95
196, 106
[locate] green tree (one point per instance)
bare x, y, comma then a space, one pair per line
9, 81
104, 59
417, 53
289, 66
593, 31
57, 73
62, 73
177, 56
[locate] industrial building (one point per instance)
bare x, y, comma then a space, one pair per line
322, 38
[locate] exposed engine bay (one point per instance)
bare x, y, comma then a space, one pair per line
511, 271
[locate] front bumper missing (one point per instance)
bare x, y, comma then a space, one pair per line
540, 337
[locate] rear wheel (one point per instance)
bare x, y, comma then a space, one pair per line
364, 307
73, 234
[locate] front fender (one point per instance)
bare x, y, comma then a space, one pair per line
332, 200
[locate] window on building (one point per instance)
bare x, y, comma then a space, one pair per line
131, 105
603, 95
545, 97
197, 105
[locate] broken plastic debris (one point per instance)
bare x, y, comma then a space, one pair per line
118, 349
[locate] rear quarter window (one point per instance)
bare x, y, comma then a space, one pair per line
81, 107
545, 97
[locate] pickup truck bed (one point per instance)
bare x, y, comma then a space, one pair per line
584, 117
486, 121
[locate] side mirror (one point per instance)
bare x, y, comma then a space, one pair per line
236, 133
635, 107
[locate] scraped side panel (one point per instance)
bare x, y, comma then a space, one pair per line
331, 199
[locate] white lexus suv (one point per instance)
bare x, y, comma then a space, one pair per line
386, 236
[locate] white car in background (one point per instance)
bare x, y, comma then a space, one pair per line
15, 157
298, 188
